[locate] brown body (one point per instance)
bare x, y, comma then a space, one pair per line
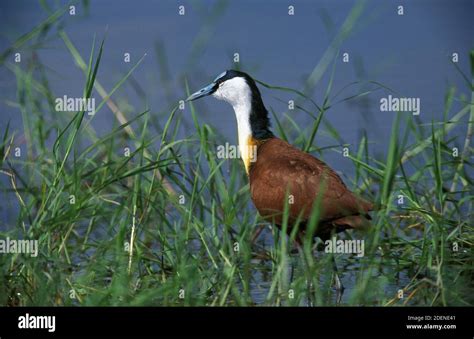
282, 172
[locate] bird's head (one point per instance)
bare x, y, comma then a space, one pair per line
234, 87
239, 89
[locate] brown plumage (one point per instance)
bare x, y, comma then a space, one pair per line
281, 170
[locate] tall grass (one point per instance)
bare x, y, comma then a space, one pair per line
171, 224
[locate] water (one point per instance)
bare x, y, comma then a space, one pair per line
407, 53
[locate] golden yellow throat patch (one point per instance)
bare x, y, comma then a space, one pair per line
248, 152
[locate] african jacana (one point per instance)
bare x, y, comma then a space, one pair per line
279, 170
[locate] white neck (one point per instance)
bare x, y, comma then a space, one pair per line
242, 114
236, 92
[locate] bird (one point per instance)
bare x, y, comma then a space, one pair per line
278, 171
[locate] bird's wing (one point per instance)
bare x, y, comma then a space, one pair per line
281, 168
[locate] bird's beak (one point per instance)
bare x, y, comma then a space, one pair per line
209, 89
